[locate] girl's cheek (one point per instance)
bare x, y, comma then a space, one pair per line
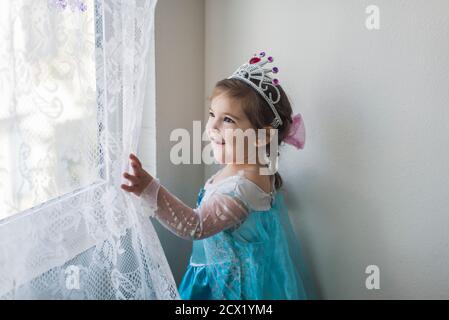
229, 136
209, 129
208, 125
230, 149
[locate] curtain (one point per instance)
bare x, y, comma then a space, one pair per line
74, 76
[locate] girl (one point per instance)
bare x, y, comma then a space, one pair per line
240, 227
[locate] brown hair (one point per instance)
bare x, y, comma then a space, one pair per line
257, 109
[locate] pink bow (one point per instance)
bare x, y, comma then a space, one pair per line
297, 133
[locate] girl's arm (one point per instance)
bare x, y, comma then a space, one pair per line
219, 212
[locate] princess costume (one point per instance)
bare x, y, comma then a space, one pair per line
244, 247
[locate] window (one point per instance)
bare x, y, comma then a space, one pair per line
73, 85
49, 113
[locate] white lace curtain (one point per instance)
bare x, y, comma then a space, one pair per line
73, 80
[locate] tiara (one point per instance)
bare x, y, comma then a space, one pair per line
258, 76
63, 4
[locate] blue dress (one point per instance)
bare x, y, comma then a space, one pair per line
252, 262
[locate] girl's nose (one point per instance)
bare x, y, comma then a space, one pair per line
214, 124
214, 128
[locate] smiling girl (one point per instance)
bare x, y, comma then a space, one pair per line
240, 245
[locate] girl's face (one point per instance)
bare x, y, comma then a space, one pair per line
225, 119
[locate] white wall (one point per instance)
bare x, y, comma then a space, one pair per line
179, 29
372, 185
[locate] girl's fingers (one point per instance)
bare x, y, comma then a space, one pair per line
136, 169
129, 188
131, 178
135, 159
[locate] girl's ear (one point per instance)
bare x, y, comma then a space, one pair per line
269, 135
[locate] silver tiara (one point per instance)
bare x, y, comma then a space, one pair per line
258, 76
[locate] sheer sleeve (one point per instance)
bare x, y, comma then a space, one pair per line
218, 213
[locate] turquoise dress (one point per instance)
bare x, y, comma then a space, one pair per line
251, 262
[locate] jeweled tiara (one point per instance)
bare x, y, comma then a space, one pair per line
258, 77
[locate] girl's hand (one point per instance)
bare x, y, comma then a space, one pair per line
140, 180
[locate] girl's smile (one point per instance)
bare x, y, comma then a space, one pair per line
217, 139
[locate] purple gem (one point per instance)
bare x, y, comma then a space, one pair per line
275, 70
73, 4
262, 54
61, 4
270, 59
275, 82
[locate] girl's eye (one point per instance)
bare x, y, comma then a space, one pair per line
211, 114
229, 120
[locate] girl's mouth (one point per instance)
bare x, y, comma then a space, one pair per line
217, 142
216, 138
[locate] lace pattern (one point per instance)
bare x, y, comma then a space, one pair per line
221, 212
95, 242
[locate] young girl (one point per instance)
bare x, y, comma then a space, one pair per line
240, 227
